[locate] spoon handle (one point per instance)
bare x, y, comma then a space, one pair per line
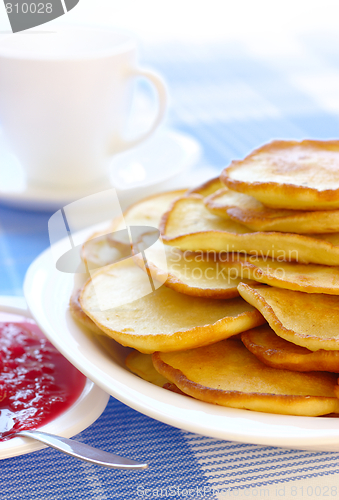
83, 451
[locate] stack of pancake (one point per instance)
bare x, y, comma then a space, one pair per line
248, 316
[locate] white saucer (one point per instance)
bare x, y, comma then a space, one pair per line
86, 409
164, 156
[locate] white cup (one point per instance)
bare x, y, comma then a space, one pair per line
65, 98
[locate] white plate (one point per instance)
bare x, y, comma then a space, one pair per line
47, 293
86, 409
164, 156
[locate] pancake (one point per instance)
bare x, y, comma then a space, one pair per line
310, 320
289, 174
188, 225
207, 188
141, 364
101, 250
148, 211
274, 351
309, 278
253, 214
199, 275
227, 374
105, 248
79, 315
121, 304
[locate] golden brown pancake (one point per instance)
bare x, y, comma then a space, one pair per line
207, 188
103, 248
307, 319
253, 214
276, 352
148, 211
309, 278
289, 174
188, 225
196, 274
227, 374
163, 319
79, 315
141, 364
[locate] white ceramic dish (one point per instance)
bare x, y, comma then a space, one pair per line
88, 407
161, 158
47, 293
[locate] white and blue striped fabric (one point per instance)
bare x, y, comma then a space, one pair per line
231, 98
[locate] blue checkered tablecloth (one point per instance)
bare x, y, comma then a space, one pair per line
231, 97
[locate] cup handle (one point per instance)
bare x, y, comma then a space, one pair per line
160, 87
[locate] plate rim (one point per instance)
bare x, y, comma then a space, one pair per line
243, 426
92, 398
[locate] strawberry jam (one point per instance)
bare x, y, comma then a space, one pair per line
36, 382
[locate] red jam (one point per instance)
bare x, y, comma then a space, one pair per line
36, 382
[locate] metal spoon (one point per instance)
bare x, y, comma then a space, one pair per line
82, 451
